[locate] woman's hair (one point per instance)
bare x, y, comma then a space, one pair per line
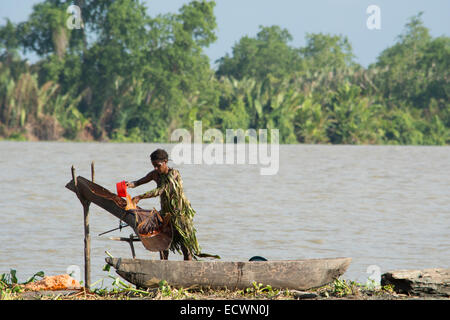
159, 155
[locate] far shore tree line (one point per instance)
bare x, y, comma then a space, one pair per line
126, 76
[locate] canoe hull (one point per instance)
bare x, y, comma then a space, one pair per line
116, 205
291, 274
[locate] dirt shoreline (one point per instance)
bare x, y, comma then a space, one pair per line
325, 293
431, 284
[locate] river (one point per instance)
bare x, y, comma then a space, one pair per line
387, 207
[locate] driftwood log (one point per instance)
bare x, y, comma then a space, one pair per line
425, 282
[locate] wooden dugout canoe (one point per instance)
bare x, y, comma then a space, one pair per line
289, 274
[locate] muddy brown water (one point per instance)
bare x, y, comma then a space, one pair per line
387, 207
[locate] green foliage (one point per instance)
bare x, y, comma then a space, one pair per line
138, 77
267, 54
342, 288
326, 53
312, 123
9, 41
353, 120
415, 69
271, 104
25, 106
46, 32
259, 290
10, 286
166, 291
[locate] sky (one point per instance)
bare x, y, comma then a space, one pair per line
238, 18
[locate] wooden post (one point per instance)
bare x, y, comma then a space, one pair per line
87, 246
74, 178
133, 254
92, 172
87, 236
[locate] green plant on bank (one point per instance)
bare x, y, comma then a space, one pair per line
344, 288
388, 288
122, 290
257, 291
119, 287
168, 292
10, 286
260, 290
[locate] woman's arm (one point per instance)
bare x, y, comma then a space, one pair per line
149, 177
153, 193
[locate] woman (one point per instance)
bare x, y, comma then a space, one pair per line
174, 202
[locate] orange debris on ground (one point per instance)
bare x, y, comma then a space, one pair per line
52, 283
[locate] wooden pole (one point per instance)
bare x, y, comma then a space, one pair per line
133, 254
87, 246
92, 171
74, 178
87, 236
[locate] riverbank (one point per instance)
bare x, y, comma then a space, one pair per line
338, 290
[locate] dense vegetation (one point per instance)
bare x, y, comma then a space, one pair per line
127, 76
